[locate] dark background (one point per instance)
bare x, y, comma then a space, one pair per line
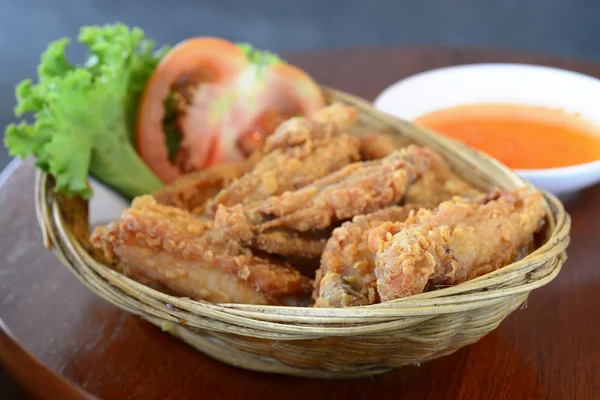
562, 27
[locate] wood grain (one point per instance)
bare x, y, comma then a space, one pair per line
58, 338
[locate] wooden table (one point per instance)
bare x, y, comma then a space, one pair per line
60, 341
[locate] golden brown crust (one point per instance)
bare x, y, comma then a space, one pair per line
166, 245
458, 241
233, 222
437, 185
324, 125
374, 146
356, 189
191, 191
346, 276
299, 152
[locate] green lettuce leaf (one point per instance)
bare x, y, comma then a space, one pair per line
84, 115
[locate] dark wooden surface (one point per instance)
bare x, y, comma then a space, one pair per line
61, 341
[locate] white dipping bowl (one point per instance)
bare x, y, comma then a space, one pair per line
504, 83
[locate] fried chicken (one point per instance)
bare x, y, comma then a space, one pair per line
356, 189
374, 146
191, 191
346, 276
460, 240
157, 244
438, 184
300, 152
326, 123
286, 242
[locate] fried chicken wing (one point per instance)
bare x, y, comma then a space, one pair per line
286, 242
356, 189
346, 276
157, 244
192, 191
460, 240
293, 162
374, 146
326, 123
233, 222
438, 184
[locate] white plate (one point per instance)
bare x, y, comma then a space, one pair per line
106, 205
506, 83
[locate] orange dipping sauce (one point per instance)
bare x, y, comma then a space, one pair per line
520, 136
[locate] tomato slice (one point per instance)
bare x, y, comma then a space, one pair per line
198, 70
288, 91
282, 91
227, 104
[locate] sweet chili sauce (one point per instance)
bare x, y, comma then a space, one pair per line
520, 136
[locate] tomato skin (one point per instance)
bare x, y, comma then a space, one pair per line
287, 81
221, 59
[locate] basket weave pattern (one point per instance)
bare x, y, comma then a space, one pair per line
333, 343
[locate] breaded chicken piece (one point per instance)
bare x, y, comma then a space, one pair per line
290, 243
191, 191
346, 276
374, 146
234, 223
167, 247
460, 240
325, 124
356, 189
288, 169
438, 184
299, 152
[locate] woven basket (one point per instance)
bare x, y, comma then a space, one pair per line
328, 343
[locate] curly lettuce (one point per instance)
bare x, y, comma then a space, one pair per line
84, 115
